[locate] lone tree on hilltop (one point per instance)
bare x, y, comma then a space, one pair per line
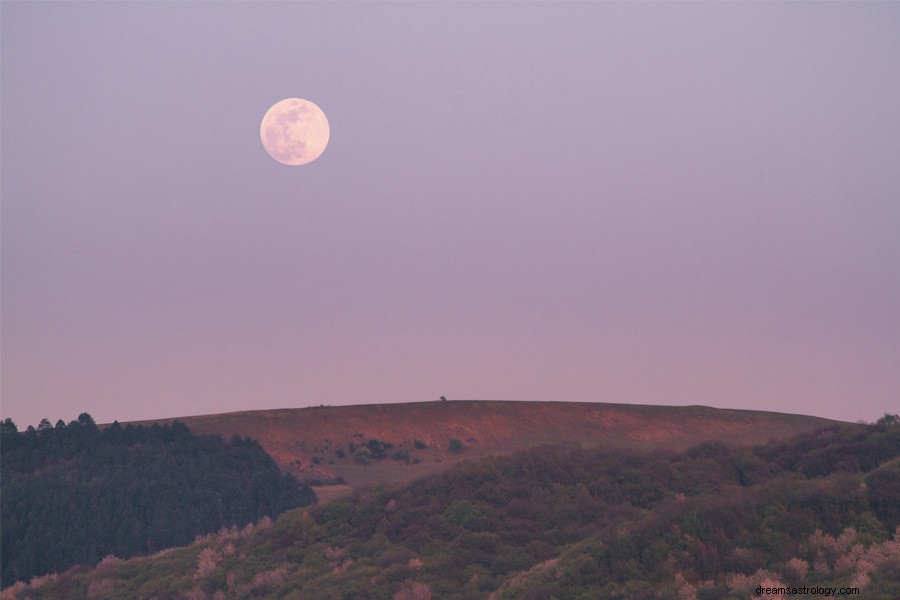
888, 419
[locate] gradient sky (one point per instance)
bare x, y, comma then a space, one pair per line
692, 203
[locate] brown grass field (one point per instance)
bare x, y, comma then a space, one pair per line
306, 441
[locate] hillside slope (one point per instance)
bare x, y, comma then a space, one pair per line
713, 523
318, 443
74, 494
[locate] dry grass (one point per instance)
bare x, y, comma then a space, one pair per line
307, 441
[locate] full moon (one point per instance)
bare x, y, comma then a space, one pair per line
294, 131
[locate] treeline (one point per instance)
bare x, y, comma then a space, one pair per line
73, 494
710, 523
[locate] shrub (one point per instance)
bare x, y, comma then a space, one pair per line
362, 455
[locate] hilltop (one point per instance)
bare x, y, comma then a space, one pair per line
410, 440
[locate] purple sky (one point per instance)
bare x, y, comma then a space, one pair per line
691, 203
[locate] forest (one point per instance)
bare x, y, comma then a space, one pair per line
561, 522
74, 493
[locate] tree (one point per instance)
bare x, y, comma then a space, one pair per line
87, 421
95, 493
455, 445
883, 488
44, 425
377, 448
8, 426
413, 590
888, 419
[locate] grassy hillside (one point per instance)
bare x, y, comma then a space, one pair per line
310, 442
713, 522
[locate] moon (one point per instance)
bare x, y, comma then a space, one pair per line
294, 131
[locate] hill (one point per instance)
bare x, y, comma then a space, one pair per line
716, 522
406, 441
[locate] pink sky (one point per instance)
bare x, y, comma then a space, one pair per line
687, 203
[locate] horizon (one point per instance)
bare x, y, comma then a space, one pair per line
174, 418
648, 204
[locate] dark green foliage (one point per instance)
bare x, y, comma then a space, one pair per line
362, 455
378, 449
705, 513
889, 419
374, 449
455, 445
73, 494
574, 523
884, 494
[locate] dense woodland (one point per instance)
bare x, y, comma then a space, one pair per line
73, 494
558, 522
